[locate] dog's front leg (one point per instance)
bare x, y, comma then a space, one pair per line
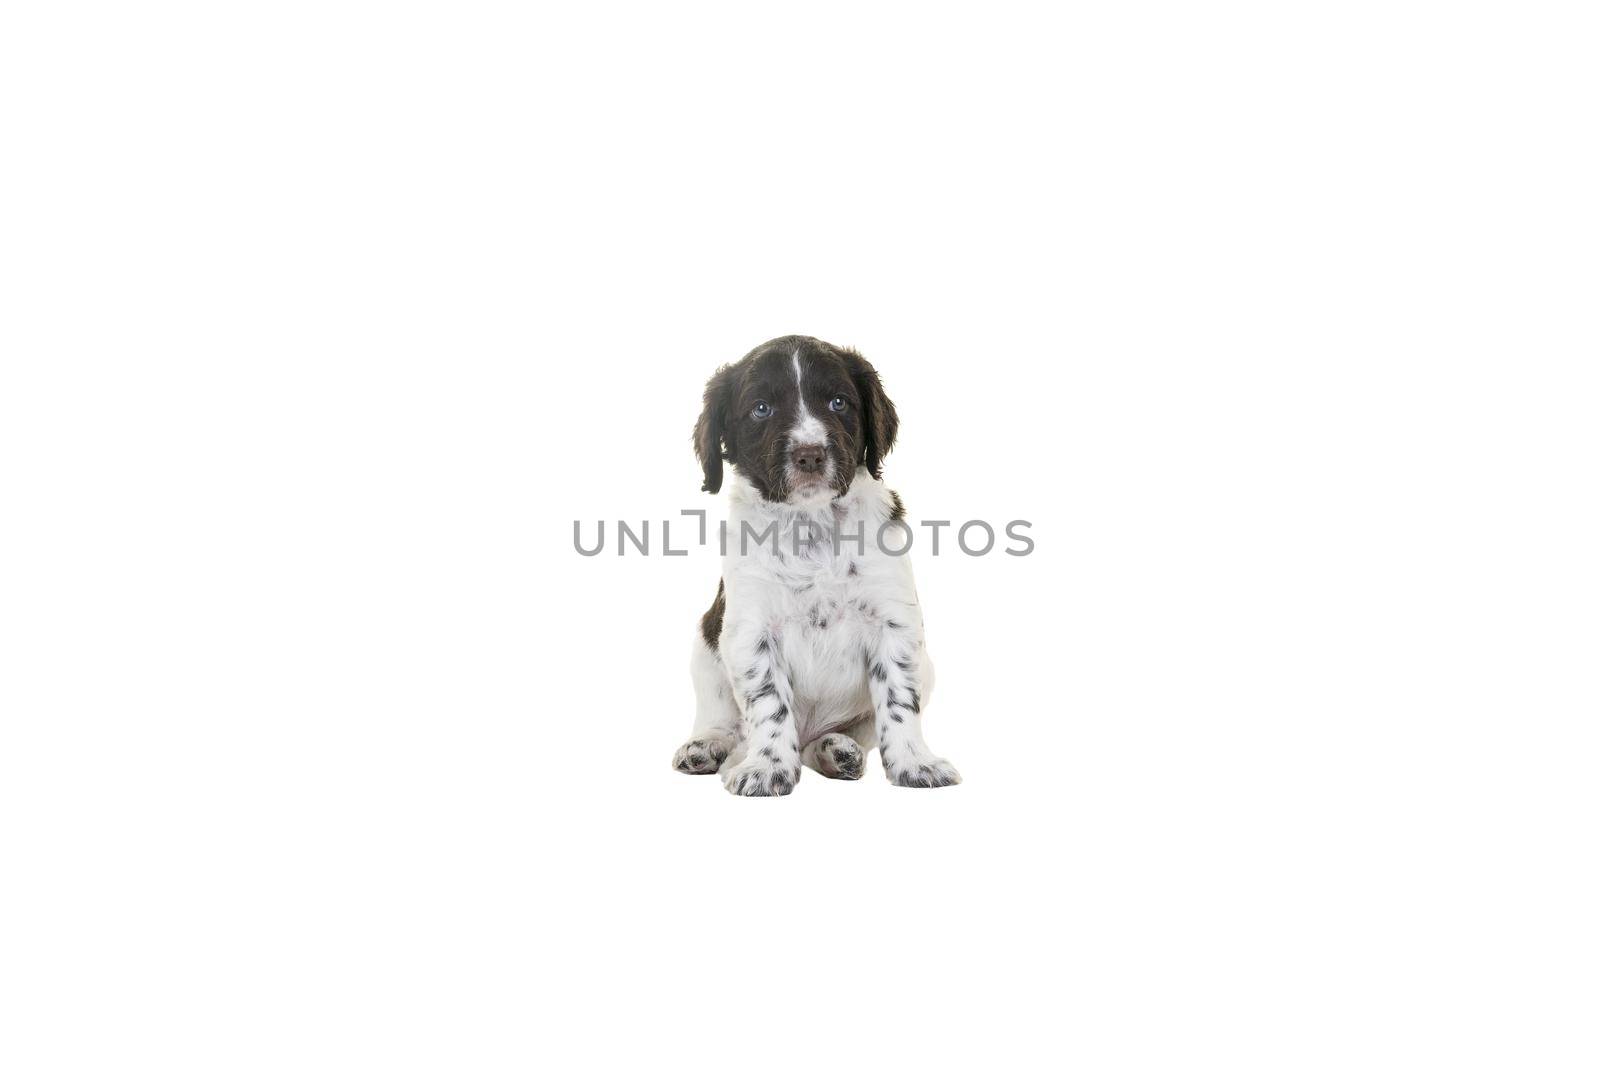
771, 751
892, 679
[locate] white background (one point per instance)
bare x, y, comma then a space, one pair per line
322, 323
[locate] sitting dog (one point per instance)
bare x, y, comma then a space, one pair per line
812, 651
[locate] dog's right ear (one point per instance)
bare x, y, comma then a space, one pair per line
711, 441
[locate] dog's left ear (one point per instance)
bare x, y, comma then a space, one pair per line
711, 441
879, 423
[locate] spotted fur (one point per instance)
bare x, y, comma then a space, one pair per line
813, 652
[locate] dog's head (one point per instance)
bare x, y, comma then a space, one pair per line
797, 417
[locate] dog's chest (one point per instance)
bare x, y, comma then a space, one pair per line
824, 631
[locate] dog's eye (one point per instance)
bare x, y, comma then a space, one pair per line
761, 410
836, 404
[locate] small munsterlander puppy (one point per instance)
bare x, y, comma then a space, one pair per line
812, 652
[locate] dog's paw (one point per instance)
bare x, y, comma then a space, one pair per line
760, 777
928, 772
837, 756
703, 755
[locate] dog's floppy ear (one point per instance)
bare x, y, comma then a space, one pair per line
879, 423
711, 441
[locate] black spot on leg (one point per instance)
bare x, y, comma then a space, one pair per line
895, 715
879, 672
781, 714
852, 571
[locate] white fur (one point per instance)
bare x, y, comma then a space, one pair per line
807, 429
801, 633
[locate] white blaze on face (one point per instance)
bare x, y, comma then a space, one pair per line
807, 430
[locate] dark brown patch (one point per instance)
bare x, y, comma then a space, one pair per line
711, 621
898, 511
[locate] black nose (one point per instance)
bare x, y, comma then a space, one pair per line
808, 458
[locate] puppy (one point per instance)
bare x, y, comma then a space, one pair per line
812, 652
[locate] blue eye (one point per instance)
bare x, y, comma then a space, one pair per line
762, 409
836, 404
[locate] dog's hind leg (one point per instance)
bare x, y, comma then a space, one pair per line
716, 716
835, 756
841, 753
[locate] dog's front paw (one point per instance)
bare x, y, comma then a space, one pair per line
760, 777
702, 755
926, 772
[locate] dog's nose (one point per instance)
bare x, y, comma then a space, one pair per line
808, 458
